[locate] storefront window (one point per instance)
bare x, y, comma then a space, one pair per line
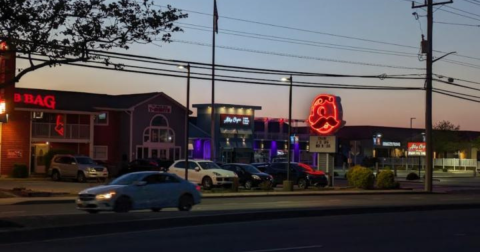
154, 135
159, 121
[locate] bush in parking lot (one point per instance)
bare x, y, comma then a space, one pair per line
360, 177
20, 171
412, 176
386, 180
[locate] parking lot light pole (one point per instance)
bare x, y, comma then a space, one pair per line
187, 114
288, 186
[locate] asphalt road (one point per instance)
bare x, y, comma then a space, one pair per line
413, 231
265, 203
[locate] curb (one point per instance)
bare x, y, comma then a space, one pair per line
38, 234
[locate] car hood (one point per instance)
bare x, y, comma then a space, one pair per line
102, 189
222, 172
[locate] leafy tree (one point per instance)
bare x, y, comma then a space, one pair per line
446, 137
67, 31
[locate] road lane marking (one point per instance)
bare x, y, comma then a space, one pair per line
286, 249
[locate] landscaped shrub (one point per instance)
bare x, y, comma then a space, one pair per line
20, 171
412, 176
360, 177
49, 155
386, 180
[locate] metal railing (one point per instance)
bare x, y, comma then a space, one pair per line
70, 131
453, 163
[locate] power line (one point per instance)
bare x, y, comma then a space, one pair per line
452, 92
473, 2
331, 86
457, 85
455, 96
304, 42
295, 56
469, 13
301, 29
458, 24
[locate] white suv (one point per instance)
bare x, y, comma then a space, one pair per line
203, 172
79, 167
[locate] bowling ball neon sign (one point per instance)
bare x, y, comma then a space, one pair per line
326, 116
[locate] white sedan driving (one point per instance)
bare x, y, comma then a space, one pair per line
139, 191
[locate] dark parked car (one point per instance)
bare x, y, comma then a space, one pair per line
261, 166
301, 174
248, 175
149, 164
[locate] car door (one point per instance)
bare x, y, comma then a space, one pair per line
178, 169
170, 190
146, 196
242, 175
194, 176
69, 166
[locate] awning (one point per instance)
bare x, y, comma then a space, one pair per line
245, 132
228, 131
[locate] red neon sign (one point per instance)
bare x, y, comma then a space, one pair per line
326, 114
47, 101
59, 126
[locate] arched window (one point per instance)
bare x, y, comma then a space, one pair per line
159, 121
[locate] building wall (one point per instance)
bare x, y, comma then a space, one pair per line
110, 136
142, 118
15, 138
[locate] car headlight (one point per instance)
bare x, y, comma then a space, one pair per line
90, 169
217, 174
256, 177
105, 196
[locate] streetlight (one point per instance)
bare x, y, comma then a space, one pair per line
187, 113
287, 185
411, 121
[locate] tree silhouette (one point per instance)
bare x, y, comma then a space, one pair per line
67, 31
446, 138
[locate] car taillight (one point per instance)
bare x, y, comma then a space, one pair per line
198, 188
153, 163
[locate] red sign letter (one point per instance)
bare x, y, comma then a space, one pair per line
326, 114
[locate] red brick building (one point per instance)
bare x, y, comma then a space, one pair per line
107, 128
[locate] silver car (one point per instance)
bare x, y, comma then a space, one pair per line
80, 168
140, 190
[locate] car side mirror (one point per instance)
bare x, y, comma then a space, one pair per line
197, 169
73, 163
140, 183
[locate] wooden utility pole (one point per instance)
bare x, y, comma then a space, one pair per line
428, 88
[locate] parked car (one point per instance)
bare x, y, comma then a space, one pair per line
301, 174
261, 166
78, 167
279, 159
140, 190
203, 172
248, 175
148, 164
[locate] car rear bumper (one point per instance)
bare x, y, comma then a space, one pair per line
318, 181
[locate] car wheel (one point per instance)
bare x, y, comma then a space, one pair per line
207, 183
56, 175
81, 177
185, 203
248, 185
122, 205
302, 183
92, 211
156, 210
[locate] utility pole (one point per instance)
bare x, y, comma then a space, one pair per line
428, 99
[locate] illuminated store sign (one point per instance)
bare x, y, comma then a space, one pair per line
326, 114
227, 119
59, 125
417, 149
47, 101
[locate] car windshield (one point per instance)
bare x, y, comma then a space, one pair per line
85, 160
208, 165
128, 179
250, 169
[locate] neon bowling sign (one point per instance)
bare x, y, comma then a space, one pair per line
326, 114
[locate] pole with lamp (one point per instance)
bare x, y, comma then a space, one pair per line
411, 135
187, 114
287, 184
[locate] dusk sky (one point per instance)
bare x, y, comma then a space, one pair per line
379, 20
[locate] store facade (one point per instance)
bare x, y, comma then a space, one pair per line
234, 128
109, 128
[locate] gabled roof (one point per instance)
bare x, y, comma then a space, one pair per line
90, 102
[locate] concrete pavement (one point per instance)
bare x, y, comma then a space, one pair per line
452, 230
